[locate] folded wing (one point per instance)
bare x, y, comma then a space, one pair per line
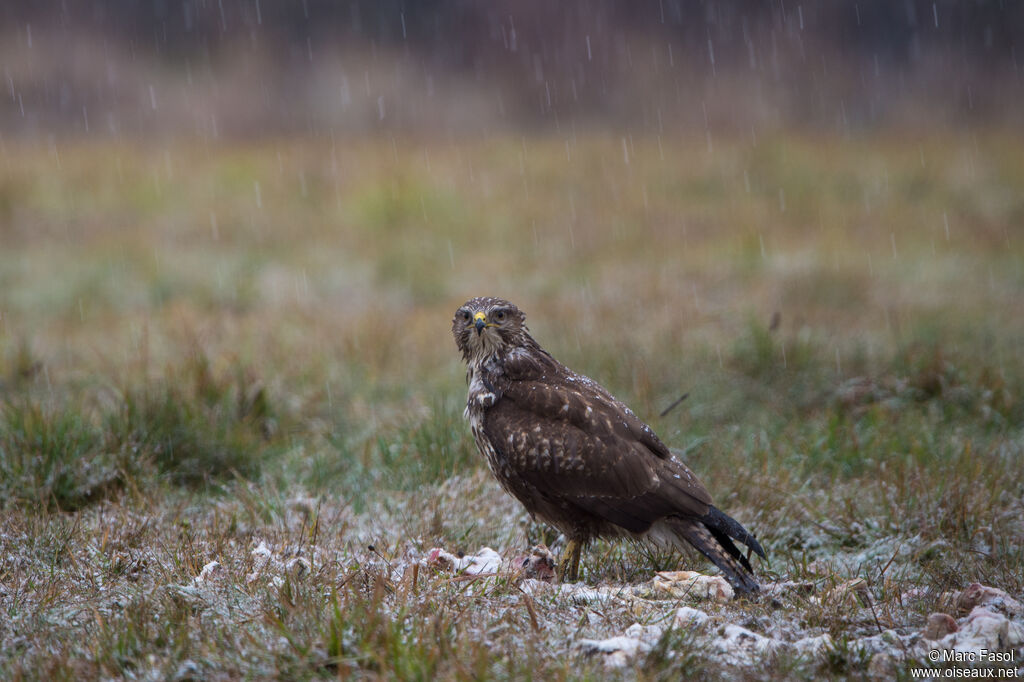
575, 446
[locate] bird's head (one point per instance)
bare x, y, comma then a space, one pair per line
485, 325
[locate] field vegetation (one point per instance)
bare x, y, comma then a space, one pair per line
241, 353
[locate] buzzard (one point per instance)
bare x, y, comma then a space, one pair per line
578, 458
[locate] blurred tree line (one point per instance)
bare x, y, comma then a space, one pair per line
813, 62
463, 32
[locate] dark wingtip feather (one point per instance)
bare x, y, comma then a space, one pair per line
718, 520
729, 546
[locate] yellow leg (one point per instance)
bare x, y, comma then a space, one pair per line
569, 564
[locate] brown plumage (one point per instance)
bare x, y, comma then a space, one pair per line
575, 456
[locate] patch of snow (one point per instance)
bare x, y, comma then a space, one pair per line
484, 562
211, 570
814, 646
618, 651
689, 617
741, 646
576, 593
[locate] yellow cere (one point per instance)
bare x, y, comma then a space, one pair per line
479, 316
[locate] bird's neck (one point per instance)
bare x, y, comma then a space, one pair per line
481, 374
485, 360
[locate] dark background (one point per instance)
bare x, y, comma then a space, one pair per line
240, 67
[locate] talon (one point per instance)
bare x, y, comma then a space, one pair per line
569, 562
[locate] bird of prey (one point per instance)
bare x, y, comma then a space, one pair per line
575, 456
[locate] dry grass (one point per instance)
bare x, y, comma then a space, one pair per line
203, 348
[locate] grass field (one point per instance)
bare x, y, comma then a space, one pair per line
206, 348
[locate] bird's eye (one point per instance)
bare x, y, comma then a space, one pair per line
499, 315
464, 314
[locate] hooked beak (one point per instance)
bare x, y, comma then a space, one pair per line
479, 321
